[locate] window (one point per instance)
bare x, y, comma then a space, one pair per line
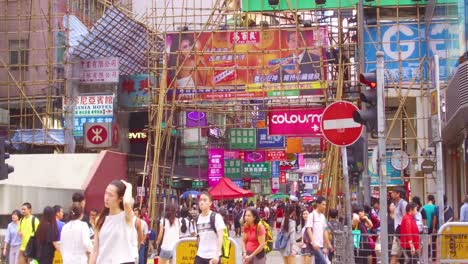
18, 54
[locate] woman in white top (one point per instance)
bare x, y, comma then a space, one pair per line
169, 233
115, 234
75, 244
187, 228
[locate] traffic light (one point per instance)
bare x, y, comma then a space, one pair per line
355, 154
368, 115
5, 169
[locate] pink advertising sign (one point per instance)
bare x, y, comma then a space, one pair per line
254, 156
215, 166
295, 121
231, 154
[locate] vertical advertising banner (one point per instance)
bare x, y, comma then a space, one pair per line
215, 166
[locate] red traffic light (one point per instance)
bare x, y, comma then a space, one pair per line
369, 79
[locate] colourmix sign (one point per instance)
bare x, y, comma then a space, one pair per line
295, 121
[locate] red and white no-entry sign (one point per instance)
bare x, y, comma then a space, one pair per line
338, 126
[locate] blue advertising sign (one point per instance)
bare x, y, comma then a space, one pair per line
133, 90
238, 183
405, 44
265, 141
80, 121
275, 169
393, 175
314, 179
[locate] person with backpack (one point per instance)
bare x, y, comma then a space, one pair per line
254, 238
210, 228
26, 229
288, 234
186, 225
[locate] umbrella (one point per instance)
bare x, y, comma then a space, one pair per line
306, 194
279, 196
190, 194
308, 198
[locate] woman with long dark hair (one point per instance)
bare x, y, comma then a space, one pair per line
169, 233
186, 225
289, 228
47, 236
113, 241
12, 239
253, 239
75, 244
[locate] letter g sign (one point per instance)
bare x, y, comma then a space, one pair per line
390, 45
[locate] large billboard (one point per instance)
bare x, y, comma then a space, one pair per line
405, 44
246, 61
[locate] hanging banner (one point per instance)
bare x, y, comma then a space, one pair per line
265, 141
242, 138
215, 166
295, 121
257, 170
266, 186
233, 168
100, 70
275, 184
275, 155
282, 178
275, 169
231, 154
254, 156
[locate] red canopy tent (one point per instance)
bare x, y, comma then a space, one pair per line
226, 189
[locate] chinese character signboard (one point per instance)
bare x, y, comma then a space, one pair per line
282, 178
233, 55
295, 121
265, 186
102, 70
275, 169
275, 155
215, 166
233, 168
254, 156
90, 109
199, 184
257, 170
133, 90
231, 154
266, 141
242, 138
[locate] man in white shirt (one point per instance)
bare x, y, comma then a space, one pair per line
398, 195
316, 226
143, 244
210, 238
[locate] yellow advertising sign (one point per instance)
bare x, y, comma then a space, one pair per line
434, 103
454, 241
186, 251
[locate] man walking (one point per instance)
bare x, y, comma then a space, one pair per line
398, 196
315, 227
26, 229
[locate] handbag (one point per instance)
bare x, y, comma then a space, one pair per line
305, 236
31, 247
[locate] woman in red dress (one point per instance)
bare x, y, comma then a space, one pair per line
410, 234
279, 215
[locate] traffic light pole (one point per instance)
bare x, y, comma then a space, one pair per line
382, 159
438, 140
349, 258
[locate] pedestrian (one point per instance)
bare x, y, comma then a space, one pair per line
75, 243
391, 224
289, 228
316, 227
113, 242
418, 215
79, 200
254, 238
187, 228
410, 234
366, 245
169, 233
210, 235
464, 210
306, 254
427, 212
398, 196
93, 214
237, 213
47, 237
26, 229
12, 239
143, 241
334, 226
